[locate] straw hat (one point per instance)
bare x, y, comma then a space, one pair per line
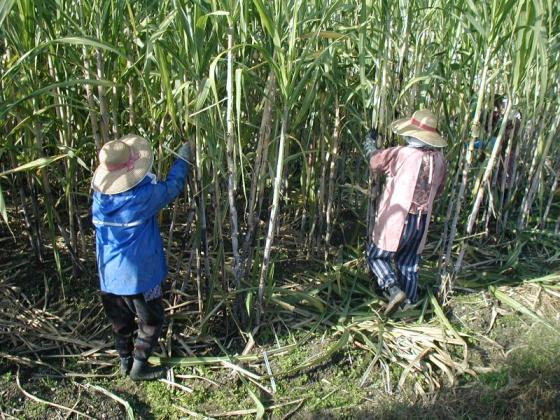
422, 125
123, 164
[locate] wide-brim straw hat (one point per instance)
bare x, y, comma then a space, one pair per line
422, 125
123, 163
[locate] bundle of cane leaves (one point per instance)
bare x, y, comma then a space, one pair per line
425, 351
431, 350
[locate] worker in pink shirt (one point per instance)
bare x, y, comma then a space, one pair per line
415, 175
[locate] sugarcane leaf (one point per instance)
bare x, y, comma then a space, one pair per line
260, 407
267, 22
240, 369
82, 163
443, 319
197, 360
324, 35
502, 297
35, 164
322, 356
201, 21
202, 94
127, 407
418, 79
80, 40
249, 301
158, 34
166, 82
476, 25
5, 108
308, 99
5, 9
212, 74
3, 210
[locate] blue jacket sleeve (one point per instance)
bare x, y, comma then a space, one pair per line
164, 192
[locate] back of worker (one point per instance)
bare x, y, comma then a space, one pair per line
415, 174
130, 255
128, 238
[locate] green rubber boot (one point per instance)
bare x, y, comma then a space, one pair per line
143, 371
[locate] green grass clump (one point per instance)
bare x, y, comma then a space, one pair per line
495, 380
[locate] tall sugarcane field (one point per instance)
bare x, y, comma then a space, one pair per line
202, 202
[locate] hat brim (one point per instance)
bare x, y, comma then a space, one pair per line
114, 182
403, 127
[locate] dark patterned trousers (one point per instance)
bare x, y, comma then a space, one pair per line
122, 312
406, 259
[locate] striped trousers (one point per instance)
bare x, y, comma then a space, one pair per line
406, 259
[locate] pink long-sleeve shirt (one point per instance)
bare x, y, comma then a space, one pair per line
401, 165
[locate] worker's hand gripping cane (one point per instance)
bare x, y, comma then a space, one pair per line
370, 143
184, 152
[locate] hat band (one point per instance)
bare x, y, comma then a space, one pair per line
421, 125
129, 164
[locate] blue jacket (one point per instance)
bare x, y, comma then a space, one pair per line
129, 248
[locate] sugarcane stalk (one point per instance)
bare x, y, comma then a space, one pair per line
507, 177
514, 177
198, 280
321, 207
232, 172
104, 123
259, 169
488, 170
379, 121
31, 227
218, 228
444, 258
475, 132
536, 173
553, 188
161, 139
403, 51
200, 201
30, 182
306, 213
53, 216
273, 215
332, 175
91, 103
130, 88
64, 138
114, 110
89, 91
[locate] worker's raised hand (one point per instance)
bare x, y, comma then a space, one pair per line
185, 151
370, 142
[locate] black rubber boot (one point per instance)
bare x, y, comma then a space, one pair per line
396, 296
126, 365
143, 371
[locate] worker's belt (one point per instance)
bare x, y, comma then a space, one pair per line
113, 224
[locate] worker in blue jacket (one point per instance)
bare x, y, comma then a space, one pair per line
130, 257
